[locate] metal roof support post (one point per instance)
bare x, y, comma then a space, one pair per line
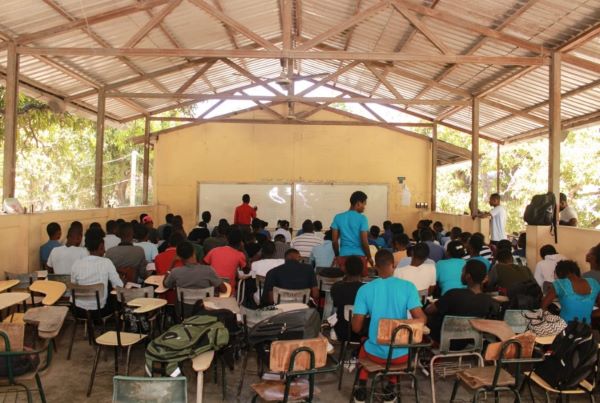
146, 160
554, 125
99, 147
474, 156
434, 157
11, 101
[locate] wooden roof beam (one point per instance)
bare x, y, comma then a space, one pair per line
381, 77
233, 24
195, 77
330, 77
151, 24
250, 76
422, 28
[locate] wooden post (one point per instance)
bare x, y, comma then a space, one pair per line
434, 152
146, 160
554, 125
498, 168
99, 147
474, 156
11, 100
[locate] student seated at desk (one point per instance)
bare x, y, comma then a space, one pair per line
306, 242
577, 296
593, 258
505, 273
385, 297
150, 249
470, 301
126, 255
227, 260
544, 270
54, 234
400, 243
292, 275
449, 271
374, 238
168, 260
323, 255
94, 269
474, 247
420, 273
344, 293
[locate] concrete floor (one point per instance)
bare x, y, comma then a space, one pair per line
66, 381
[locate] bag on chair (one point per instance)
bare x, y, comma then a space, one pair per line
197, 334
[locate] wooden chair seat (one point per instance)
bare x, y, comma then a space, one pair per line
371, 366
52, 290
202, 361
127, 339
478, 377
274, 391
585, 386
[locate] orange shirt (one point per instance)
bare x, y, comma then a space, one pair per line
244, 214
226, 261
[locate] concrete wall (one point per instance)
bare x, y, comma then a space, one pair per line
234, 152
573, 243
22, 234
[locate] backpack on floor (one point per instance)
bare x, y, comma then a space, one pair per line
197, 334
573, 358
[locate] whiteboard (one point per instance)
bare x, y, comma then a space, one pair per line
274, 200
323, 201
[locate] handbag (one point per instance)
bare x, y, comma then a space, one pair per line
544, 323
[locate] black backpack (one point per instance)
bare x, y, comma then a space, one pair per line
573, 359
291, 325
524, 295
542, 211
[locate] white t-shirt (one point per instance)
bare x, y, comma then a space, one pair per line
498, 223
262, 267
150, 250
95, 270
110, 241
544, 270
61, 259
422, 277
305, 243
285, 233
567, 214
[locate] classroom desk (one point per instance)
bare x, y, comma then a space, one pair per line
8, 284
48, 319
8, 299
544, 340
157, 280
52, 290
222, 303
145, 305
291, 306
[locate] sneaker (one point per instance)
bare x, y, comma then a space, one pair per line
389, 394
360, 395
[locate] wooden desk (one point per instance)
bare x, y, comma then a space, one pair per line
8, 284
52, 290
8, 299
201, 363
48, 319
222, 303
145, 305
544, 340
157, 280
291, 306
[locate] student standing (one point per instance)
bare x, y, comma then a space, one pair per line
497, 217
244, 213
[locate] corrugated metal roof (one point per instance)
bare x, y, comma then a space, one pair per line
551, 23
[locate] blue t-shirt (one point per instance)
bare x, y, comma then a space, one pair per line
388, 298
379, 242
448, 273
483, 260
350, 224
573, 305
46, 248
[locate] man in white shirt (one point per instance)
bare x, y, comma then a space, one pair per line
111, 240
567, 215
61, 259
497, 217
284, 229
95, 269
307, 241
420, 273
265, 264
544, 270
150, 249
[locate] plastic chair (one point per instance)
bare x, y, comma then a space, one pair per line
189, 296
8, 356
292, 360
456, 328
116, 339
133, 389
260, 285
93, 293
345, 343
495, 379
325, 284
124, 295
401, 334
516, 319
284, 295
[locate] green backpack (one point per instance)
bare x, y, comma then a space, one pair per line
195, 335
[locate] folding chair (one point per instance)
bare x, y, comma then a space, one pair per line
346, 343
325, 284
282, 295
133, 389
189, 296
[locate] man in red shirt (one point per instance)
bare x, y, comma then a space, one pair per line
226, 260
168, 260
244, 213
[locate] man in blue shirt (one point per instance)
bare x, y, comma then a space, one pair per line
322, 255
385, 297
449, 271
54, 233
436, 252
350, 232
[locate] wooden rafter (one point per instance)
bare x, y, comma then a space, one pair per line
581, 39
422, 28
249, 76
151, 24
233, 24
344, 25
188, 83
381, 77
328, 78
286, 24
350, 32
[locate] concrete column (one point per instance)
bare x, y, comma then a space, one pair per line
11, 100
474, 155
554, 124
99, 147
498, 168
434, 152
146, 161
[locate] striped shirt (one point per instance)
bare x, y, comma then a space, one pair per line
95, 270
305, 243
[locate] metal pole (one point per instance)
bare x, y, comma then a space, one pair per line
475, 156
11, 100
99, 147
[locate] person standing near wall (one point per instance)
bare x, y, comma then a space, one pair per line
350, 232
497, 217
244, 213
